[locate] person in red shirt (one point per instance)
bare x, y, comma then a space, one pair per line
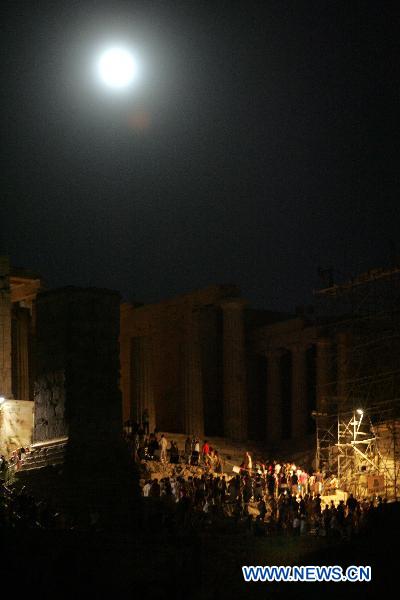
205, 451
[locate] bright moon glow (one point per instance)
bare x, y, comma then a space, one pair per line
117, 67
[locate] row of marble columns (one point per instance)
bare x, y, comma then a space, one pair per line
235, 401
299, 401
329, 385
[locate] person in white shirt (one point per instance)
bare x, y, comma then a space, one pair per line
195, 452
163, 446
146, 489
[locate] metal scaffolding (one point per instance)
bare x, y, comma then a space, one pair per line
357, 451
357, 436
361, 449
326, 451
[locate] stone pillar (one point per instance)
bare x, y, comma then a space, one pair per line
342, 359
274, 406
299, 391
140, 379
193, 402
234, 368
323, 375
77, 395
147, 390
5, 329
22, 353
77, 370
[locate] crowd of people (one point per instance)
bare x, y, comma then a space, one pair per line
19, 509
151, 446
198, 486
13, 462
267, 497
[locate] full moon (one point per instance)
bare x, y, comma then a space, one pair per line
117, 67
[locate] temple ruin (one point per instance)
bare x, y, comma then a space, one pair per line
204, 363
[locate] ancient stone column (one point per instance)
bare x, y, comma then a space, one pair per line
193, 402
299, 391
342, 359
147, 390
77, 369
77, 395
22, 353
323, 374
234, 359
140, 379
274, 406
5, 329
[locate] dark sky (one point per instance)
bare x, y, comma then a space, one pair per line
259, 144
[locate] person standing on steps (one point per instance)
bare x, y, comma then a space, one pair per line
163, 447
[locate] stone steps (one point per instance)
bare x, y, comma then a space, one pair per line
44, 455
29, 466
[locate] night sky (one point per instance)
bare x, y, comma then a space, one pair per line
259, 143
